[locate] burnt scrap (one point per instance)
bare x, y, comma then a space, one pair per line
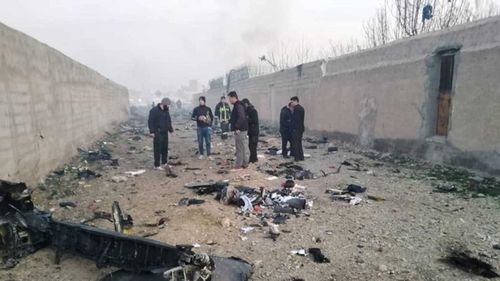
25, 229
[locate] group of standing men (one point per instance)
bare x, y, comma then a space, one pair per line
292, 129
242, 120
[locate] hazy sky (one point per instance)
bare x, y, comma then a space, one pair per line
161, 44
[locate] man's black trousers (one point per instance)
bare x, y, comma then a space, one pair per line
297, 150
252, 146
160, 147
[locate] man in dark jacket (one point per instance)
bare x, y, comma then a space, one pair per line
223, 113
253, 129
239, 125
298, 128
286, 128
160, 124
204, 118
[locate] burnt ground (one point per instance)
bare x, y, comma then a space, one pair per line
402, 237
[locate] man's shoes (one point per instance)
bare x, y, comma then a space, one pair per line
201, 157
159, 168
210, 158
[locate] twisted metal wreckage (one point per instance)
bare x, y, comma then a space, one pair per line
25, 229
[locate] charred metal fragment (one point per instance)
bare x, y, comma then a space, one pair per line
25, 229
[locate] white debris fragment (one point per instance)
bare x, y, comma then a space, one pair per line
246, 230
118, 179
300, 252
355, 201
135, 173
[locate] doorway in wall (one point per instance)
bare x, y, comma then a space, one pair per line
445, 91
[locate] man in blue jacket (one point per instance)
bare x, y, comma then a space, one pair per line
204, 118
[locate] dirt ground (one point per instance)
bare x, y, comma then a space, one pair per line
401, 238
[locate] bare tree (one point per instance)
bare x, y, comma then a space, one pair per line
302, 53
284, 55
336, 49
398, 19
485, 8
280, 56
377, 30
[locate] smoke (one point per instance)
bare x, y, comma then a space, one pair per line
162, 44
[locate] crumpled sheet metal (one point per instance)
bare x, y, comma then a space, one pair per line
226, 269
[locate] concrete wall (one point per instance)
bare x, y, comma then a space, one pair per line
386, 97
49, 106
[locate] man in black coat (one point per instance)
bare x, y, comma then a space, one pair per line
298, 128
253, 129
160, 124
286, 128
239, 125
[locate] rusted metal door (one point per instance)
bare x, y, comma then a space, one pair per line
445, 92
444, 105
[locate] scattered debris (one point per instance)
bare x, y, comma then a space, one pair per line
300, 252
375, 198
114, 162
138, 258
148, 233
190, 201
169, 172
67, 204
156, 222
333, 149
246, 230
192, 169
102, 153
311, 147
99, 215
445, 188
208, 187
274, 230
288, 169
470, 264
118, 179
135, 173
318, 256
317, 140
353, 188
331, 173
86, 174
123, 222
355, 201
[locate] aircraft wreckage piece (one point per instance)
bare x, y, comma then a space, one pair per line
25, 229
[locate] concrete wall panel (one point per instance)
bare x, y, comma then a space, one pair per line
49, 106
